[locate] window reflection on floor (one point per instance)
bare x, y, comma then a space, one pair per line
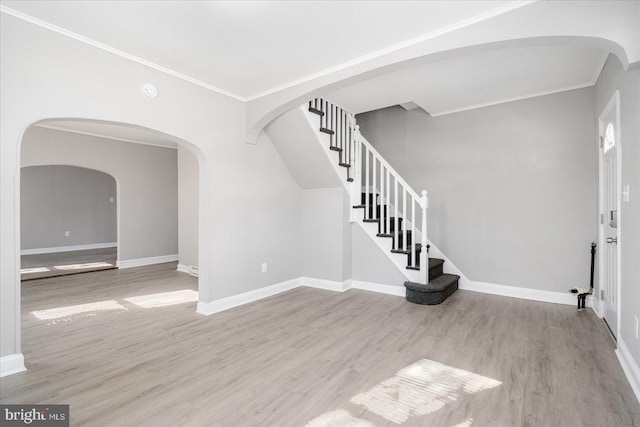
339, 418
164, 299
73, 312
419, 389
82, 266
34, 270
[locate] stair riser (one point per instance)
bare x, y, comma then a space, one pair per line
431, 298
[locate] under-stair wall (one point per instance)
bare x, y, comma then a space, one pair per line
325, 208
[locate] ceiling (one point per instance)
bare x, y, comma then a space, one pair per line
119, 132
247, 49
479, 80
250, 48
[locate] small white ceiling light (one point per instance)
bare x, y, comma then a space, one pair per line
149, 90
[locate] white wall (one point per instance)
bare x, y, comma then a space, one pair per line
188, 188
612, 78
512, 187
249, 203
55, 199
147, 184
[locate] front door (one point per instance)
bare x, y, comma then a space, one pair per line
609, 212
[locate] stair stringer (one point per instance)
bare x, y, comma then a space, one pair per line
370, 228
325, 140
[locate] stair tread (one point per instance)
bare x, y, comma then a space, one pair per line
316, 111
332, 148
371, 220
344, 165
384, 235
328, 131
435, 285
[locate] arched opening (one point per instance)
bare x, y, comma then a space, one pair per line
153, 174
68, 221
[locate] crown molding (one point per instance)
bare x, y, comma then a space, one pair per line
512, 99
379, 53
399, 46
113, 50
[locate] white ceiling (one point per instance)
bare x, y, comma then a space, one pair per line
248, 48
477, 80
116, 131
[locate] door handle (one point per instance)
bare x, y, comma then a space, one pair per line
612, 240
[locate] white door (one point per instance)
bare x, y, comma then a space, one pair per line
609, 212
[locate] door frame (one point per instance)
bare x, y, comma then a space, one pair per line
614, 102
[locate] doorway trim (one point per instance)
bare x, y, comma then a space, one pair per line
614, 102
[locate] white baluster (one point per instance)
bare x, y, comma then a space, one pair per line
388, 225
381, 197
424, 255
366, 188
397, 221
356, 184
405, 216
412, 256
373, 187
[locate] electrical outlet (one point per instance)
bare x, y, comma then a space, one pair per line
264, 267
635, 326
110, 199
67, 234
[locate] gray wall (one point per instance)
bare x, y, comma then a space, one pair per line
188, 189
370, 264
55, 199
612, 78
326, 241
147, 178
512, 187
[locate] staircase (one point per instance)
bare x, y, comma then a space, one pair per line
384, 204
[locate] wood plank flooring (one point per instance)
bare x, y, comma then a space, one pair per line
313, 357
39, 266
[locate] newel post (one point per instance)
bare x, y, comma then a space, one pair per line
424, 255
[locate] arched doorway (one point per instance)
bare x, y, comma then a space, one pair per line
68, 221
144, 165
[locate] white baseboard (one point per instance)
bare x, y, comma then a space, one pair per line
524, 293
68, 248
208, 308
329, 285
189, 269
629, 366
11, 364
129, 263
378, 287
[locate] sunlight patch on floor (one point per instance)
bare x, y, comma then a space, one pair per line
82, 266
339, 418
164, 299
420, 389
33, 270
465, 423
77, 311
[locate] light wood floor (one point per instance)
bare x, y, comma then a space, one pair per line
64, 263
312, 356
